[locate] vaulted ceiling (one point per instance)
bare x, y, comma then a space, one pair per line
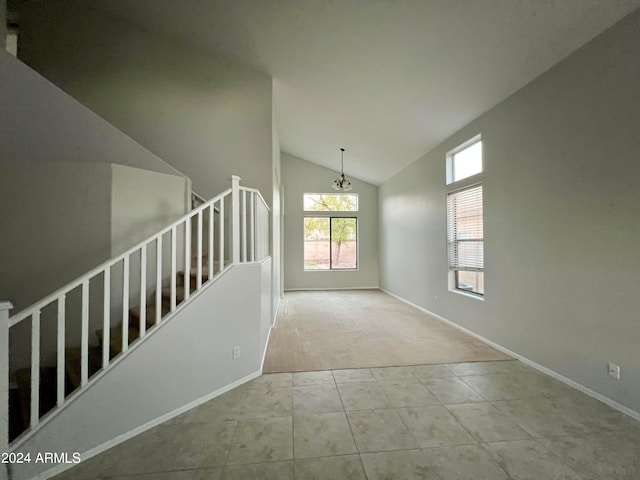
386, 79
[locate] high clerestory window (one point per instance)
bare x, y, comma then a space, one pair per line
330, 231
465, 218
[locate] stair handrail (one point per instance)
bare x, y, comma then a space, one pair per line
248, 242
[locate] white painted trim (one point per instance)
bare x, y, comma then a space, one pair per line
598, 396
274, 320
266, 346
6, 305
329, 289
151, 424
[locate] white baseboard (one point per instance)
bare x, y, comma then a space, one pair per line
598, 396
153, 423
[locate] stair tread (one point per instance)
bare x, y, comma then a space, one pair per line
72, 363
116, 332
166, 293
205, 271
115, 338
150, 315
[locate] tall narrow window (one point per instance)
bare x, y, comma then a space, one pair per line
465, 218
466, 239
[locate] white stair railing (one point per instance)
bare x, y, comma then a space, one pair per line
126, 281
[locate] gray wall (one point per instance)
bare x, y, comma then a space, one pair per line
55, 226
3, 23
203, 115
299, 177
562, 203
64, 219
161, 375
143, 202
56, 184
40, 123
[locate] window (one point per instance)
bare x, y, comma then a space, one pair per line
329, 202
465, 161
465, 213
330, 236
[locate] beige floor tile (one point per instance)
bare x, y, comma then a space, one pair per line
199, 474
227, 406
363, 396
401, 464
611, 455
408, 394
434, 427
313, 378
452, 390
539, 417
357, 375
590, 414
467, 462
507, 386
261, 471
322, 435
494, 387
270, 380
166, 448
425, 372
486, 423
394, 374
316, 399
528, 460
348, 467
380, 430
262, 440
267, 402
487, 368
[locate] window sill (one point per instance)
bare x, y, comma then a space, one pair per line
467, 294
332, 271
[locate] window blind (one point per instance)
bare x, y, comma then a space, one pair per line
465, 230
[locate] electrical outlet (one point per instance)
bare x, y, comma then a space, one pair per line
614, 371
236, 352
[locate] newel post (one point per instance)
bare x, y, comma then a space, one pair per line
4, 378
235, 219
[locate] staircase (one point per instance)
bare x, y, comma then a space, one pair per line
139, 291
73, 374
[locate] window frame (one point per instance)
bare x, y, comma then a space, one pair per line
330, 215
451, 188
450, 159
330, 218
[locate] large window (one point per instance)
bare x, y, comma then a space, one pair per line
331, 233
465, 212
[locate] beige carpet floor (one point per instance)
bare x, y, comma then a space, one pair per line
338, 329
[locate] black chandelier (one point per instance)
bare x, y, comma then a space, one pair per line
341, 183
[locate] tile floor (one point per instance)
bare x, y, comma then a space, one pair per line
485, 420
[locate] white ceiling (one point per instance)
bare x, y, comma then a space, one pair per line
386, 79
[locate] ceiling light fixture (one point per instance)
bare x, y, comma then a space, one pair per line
342, 184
